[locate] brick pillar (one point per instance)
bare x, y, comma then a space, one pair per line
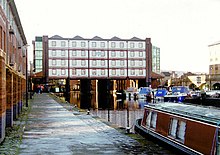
15, 101
9, 109
2, 96
19, 95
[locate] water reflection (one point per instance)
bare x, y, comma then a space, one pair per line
111, 108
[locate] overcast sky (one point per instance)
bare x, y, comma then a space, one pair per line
182, 29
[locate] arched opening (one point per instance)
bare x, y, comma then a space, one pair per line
216, 86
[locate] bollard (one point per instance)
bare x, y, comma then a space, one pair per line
128, 129
88, 112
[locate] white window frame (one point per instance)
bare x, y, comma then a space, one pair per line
93, 72
121, 45
94, 63
141, 63
53, 43
131, 54
73, 71
113, 44
63, 72
113, 53
63, 62
74, 43
132, 63
140, 45
122, 71
103, 62
93, 44
122, 63
83, 72
122, 54
102, 53
132, 72
54, 72
63, 52
141, 54
74, 53
83, 62
113, 63
83, 44
93, 53
63, 44
74, 62
54, 53
132, 45
102, 44
102, 72
83, 53
141, 72
113, 72
54, 62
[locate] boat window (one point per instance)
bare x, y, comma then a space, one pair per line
148, 119
173, 127
177, 129
181, 130
151, 119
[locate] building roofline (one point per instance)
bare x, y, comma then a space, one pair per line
17, 20
97, 38
216, 43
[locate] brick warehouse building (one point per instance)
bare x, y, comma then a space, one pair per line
13, 60
56, 59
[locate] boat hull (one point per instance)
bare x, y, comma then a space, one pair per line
148, 133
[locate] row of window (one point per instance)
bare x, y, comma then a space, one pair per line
176, 129
95, 44
103, 62
95, 72
97, 53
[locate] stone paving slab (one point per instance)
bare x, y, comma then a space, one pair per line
52, 129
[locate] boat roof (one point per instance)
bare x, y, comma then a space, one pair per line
203, 113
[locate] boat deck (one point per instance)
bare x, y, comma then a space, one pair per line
206, 114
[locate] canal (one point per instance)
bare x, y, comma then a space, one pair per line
118, 111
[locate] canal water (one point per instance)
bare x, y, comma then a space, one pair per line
112, 108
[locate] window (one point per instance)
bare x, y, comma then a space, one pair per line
113, 62
132, 72
140, 54
93, 72
63, 71
122, 62
140, 63
113, 44
74, 53
113, 72
132, 63
73, 71
103, 62
132, 54
62, 53
74, 44
83, 72
113, 54
54, 62
102, 44
93, 53
54, 43
83, 53
83, 44
54, 72
121, 54
102, 53
140, 45
121, 45
177, 129
141, 72
102, 72
151, 119
83, 62
132, 45
94, 62
93, 44
63, 62
122, 72
54, 53
63, 44
74, 62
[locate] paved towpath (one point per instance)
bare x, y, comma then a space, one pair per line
52, 129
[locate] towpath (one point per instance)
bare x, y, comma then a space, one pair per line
53, 129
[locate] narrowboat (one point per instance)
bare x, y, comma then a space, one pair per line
190, 129
178, 94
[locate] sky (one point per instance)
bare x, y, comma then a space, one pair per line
182, 29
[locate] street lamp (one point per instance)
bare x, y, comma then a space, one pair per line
25, 46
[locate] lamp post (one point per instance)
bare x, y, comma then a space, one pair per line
26, 74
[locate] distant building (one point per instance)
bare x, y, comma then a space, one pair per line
214, 66
156, 59
58, 58
13, 65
